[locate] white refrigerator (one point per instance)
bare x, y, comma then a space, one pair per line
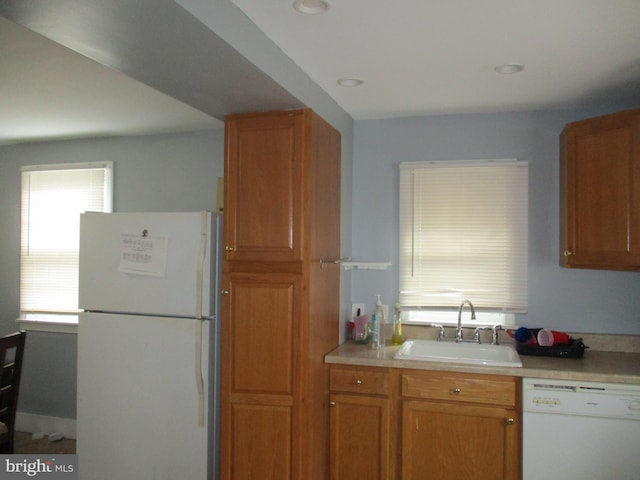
148, 356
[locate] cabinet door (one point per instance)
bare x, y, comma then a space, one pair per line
260, 443
600, 182
258, 413
258, 335
359, 437
263, 186
443, 441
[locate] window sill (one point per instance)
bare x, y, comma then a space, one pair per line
449, 318
67, 324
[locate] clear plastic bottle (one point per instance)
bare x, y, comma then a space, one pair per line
396, 338
377, 326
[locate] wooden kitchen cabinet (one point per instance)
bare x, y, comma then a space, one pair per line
600, 192
280, 303
264, 191
388, 423
460, 426
259, 374
360, 428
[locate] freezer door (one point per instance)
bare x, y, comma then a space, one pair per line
148, 263
137, 410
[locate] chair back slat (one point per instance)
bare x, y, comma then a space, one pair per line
11, 355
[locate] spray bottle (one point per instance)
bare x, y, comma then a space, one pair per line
377, 326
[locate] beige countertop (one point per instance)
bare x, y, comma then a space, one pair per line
595, 365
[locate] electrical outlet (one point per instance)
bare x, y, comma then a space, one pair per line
354, 309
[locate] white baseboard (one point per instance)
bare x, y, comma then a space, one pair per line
32, 423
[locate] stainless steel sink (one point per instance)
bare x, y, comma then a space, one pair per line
469, 353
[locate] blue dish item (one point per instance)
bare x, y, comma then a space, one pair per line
527, 336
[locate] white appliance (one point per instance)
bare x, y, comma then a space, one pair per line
580, 430
148, 346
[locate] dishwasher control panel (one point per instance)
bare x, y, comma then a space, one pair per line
581, 398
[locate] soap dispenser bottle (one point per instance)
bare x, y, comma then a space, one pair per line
377, 326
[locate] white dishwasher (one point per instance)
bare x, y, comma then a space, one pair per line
580, 430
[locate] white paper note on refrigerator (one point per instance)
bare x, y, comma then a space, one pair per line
142, 255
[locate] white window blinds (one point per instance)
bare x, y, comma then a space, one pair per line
53, 196
463, 234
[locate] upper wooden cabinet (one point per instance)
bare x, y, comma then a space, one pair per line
270, 177
600, 192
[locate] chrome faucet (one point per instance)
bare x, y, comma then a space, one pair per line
473, 317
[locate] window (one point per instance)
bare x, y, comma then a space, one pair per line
53, 196
463, 235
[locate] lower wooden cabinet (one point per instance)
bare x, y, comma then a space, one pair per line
463, 442
459, 426
258, 392
359, 438
261, 441
423, 425
360, 424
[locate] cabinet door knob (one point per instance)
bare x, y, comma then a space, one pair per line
358, 382
567, 253
455, 391
510, 421
224, 292
228, 248
332, 404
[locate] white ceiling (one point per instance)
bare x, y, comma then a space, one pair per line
421, 57
416, 57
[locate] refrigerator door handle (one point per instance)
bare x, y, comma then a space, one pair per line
198, 371
202, 252
204, 216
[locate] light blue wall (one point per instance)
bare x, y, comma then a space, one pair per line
178, 172
152, 173
573, 300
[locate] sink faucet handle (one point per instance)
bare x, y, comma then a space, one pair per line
495, 330
440, 332
476, 333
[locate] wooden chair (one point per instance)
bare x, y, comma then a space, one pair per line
11, 354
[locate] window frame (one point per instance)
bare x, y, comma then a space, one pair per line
439, 313
58, 320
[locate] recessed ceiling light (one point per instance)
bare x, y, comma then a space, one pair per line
350, 82
509, 68
311, 7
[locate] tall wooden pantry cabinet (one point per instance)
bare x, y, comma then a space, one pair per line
280, 293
